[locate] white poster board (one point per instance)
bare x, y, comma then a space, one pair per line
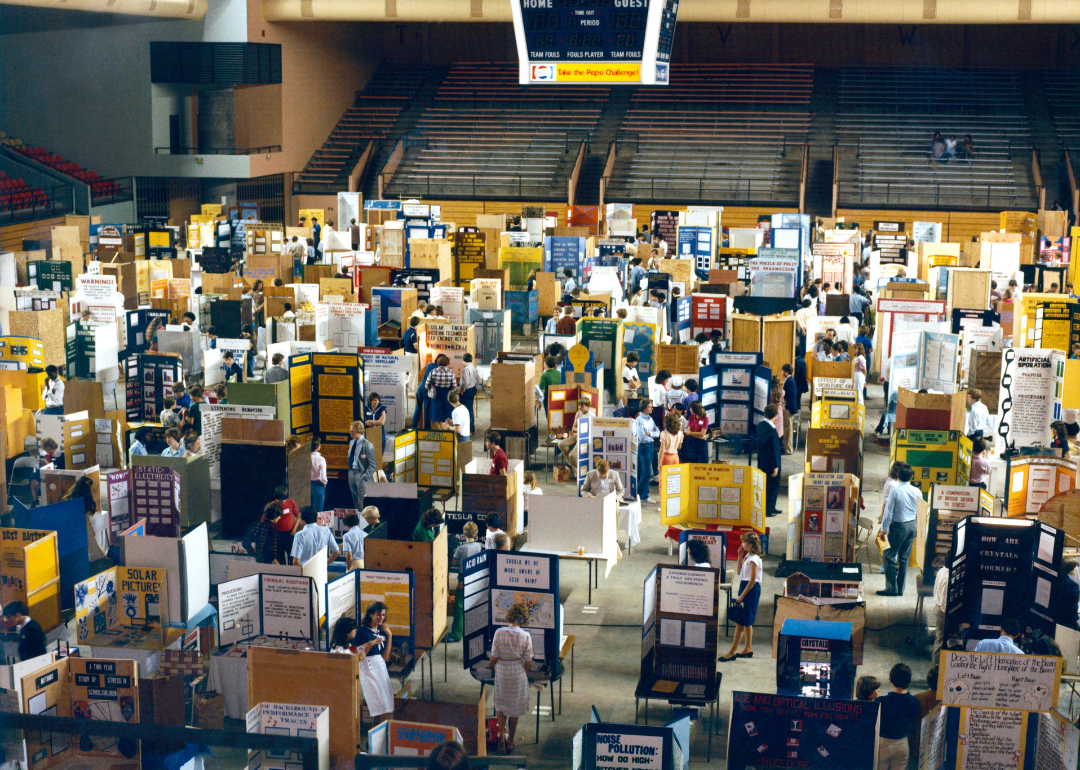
286, 606
1030, 396
572, 525
238, 610
990, 680
345, 325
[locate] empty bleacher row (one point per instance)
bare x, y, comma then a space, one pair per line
1063, 96
490, 137
371, 117
99, 188
717, 133
887, 119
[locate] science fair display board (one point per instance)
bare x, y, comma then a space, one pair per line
1057, 325
31, 563
585, 526
734, 390
769, 730
679, 634
836, 408
716, 542
1031, 481
427, 458
148, 379
834, 451
601, 745
1001, 568
394, 737
830, 517
282, 606
142, 620
349, 596
293, 720
1032, 382
496, 580
936, 456
187, 566
696, 494
923, 360
949, 505
611, 439
562, 405
68, 519
326, 395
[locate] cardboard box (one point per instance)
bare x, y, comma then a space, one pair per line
514, 382
930, 411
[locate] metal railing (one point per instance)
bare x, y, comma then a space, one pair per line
373, 762
218, 150
123, 190
58, 200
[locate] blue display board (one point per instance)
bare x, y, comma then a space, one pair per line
685, 321
493, 581
768, 730
524, 306
68, 520
562, 252
696, 243
612, 439
734, 390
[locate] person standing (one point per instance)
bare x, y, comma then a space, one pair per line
375, 416
138, 444
745, 612
646, 432
791, 406
427, 529
470, 381
374, 678
695, 450
898, 717
289, 523
318, 475
440, 383
468, 549
769, 458
262, 539
499, 462
460, 420
898, 520
313, 540
941, 601
567, 325
32, 642
670, 440
361, 463
511, 657
354, 234
977, 424
408, 340
53, 391
353, 543
276, 372
1005, 643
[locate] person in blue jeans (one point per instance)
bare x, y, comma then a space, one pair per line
646, 432
422, 400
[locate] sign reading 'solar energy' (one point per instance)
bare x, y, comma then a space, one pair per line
594, 41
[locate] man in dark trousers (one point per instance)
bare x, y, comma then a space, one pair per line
768, 458
791, 406
31, 637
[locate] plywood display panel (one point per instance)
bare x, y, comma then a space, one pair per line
45, 325
428, 563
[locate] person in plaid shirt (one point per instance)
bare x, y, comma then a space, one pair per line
439, 384
262, 540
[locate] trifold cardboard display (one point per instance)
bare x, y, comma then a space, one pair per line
495, 581
149, 378
834, 451
815, 659
936, 456
599, 745
700, 494
428, 564
1001, 568
410, 739
79, 688
270, 605
190, 491
773, 336
930, 411
352, 593
288, 719
1062, 512
734, 391
1032, 382
830, 516
1057, 325
427, 458
31, 573
142, 620
679, 634
68, 520
187, 568
584, 526
853, 612
923, 360
610, 439
514, 379
836, 408
949, 504
894, 314
301, 677
562, 405
1032, 481
327, 392
483, 493
809, 733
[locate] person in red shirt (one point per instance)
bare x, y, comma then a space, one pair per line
499, 462
287, 525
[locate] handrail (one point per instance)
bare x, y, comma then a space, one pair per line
1072, 185
219, 150
52, 205
1036, 172
360, 168
835, 178
377, 762
802, 181
605, 178
391, 166
571, 192
123, 191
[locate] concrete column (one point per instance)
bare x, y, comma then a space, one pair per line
217, 119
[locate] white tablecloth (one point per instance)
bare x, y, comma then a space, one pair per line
629, 518
228, 676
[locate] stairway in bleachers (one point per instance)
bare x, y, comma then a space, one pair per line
819, 183
1062, 94
886, 119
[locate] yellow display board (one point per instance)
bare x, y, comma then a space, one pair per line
700, 494
520, 261
837, 410
1034, 480
211, 210
310, 214
300, 399
436, 453
405, 457
936, 456
392, 589
96, 604
30, 573
27, 351
142, 617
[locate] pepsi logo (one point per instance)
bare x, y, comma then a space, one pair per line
542, 72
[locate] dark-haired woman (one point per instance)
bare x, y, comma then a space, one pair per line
375, 634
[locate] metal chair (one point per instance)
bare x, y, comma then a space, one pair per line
863, 541
19, 483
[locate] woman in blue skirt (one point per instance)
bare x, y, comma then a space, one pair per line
744, 609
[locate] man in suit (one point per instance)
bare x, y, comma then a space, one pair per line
31, 637
768, 458
362, 466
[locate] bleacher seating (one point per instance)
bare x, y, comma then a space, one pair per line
887, 118
1063, 96
719, 133
487, 138
371, 117
98, 187
15, 194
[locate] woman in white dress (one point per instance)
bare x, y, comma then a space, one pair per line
511, 655
375, 635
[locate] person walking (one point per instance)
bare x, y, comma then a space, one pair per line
511, 657
898, 531
769, 458
744, 611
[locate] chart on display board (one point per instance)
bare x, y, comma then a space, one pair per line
598, 41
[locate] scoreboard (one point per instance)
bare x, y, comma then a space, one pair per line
594, 41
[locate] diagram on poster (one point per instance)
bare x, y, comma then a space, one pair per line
541, 607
